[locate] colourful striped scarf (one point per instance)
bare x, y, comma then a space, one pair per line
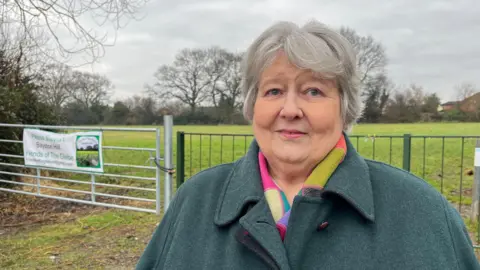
277, 201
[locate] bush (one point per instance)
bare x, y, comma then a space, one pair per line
20, 105
455, 116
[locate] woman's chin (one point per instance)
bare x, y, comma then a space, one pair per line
291, 156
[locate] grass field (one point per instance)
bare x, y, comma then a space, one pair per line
85, 235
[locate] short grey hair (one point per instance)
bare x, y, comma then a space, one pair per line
313, 46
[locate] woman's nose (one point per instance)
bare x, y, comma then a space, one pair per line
291, 108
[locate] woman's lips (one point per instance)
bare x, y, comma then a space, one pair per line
291, 134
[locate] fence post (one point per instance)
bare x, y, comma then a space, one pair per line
180, 170
476, 183
168, 159
407, 146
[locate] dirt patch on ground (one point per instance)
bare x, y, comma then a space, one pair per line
20, 212
108, 239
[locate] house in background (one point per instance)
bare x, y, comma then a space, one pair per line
447, 106
469, 105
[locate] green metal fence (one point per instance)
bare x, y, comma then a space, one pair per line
446, 162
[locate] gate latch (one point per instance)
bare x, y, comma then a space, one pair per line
162, 168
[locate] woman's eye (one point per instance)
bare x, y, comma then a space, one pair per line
314, 92
273, 92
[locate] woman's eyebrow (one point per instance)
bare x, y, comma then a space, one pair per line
325, 84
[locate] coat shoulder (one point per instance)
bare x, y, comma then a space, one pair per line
419, 203
412, 197
398, 181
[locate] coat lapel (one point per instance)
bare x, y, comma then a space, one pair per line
243, 193
351, 181
258, 224
242, 188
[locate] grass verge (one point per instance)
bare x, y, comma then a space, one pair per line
112, 239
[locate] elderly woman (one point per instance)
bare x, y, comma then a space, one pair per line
302, 197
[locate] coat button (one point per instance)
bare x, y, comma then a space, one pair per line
322, 226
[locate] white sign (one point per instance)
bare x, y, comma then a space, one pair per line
477, 157
81, 151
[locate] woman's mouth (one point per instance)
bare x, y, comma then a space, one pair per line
291, 134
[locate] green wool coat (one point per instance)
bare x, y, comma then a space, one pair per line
369, 216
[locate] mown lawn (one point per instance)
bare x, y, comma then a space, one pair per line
107, 240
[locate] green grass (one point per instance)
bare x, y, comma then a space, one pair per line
114, 238
105, 233
439, 162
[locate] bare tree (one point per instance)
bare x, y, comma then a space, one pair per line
416, 98
54, 83
191, 77
175, 108
371, 56
220, 69
20, 51
68, 24
147, 111
133, 102
465, 90
227, 88
228, 84
89, 89
144, 109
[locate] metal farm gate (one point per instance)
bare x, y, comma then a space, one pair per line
134, 160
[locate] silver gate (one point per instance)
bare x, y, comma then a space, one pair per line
132, 177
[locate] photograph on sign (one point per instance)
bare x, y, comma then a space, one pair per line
80, 151
88, 155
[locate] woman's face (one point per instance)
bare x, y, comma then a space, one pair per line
296, 114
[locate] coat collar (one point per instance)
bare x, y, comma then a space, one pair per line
351, 181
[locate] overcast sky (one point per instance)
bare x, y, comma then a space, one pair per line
435, 44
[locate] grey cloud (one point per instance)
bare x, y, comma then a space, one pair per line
432, 43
